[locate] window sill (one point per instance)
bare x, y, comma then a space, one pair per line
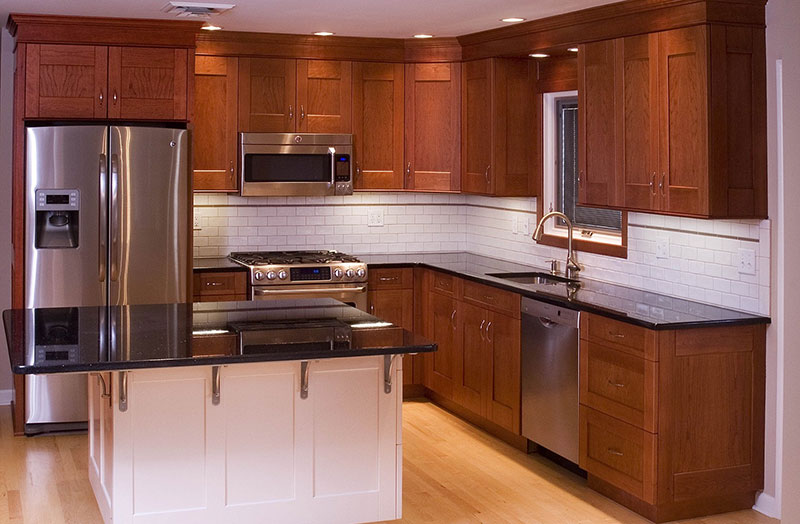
587, 246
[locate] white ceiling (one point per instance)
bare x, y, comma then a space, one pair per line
377, 18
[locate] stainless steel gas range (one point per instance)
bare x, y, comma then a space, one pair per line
305, 274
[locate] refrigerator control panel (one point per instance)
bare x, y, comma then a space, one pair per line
58, 200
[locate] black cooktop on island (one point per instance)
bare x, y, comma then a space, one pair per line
116, 338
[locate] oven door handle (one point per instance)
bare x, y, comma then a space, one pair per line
259, 292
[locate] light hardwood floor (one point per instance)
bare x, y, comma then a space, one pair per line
453, 474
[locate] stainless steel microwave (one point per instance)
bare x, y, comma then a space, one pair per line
295, 164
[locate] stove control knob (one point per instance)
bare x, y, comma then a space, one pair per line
349, 273
360, 272
282, 274
258, 275
271, 275
337, 272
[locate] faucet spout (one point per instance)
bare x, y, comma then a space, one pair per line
572, 265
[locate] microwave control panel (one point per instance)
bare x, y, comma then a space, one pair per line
343, 175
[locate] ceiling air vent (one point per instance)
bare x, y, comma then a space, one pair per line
201, 10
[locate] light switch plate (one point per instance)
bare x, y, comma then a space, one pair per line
524, 225
197, 221
375, 217
662, 248
746, 261
514, 225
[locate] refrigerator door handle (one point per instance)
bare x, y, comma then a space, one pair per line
114, 212
102, 251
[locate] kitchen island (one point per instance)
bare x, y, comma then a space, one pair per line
279, 411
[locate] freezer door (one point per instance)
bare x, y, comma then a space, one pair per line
60, 161
149, 222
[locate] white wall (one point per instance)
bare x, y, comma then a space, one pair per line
6, 106
701, 264
783, 344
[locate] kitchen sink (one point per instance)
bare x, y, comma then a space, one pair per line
534, 278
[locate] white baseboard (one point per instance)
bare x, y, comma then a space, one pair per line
5, 396
768, 505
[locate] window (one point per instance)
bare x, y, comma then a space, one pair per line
602, 227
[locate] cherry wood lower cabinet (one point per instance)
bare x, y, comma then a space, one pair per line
219, 286
391, 298
672, 422
478, 331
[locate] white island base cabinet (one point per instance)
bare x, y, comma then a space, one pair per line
266, 449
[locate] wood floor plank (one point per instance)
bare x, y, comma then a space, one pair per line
453, 473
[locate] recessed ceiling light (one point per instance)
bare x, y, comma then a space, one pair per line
210, 27
538, 55
423, 36
512, 19
323, 33
572, 49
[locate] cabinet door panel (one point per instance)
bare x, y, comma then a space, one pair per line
683, 94
477, 139
215, 118
147, 83
433, 134
66, 81
378, 125
637, 120
503, 371
267, 101
395, 306
471, 358
596, 133
440, 366
324, 96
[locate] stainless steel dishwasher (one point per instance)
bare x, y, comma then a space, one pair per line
550, 377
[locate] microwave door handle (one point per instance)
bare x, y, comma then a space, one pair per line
332, 152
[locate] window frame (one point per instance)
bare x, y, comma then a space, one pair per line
555, 235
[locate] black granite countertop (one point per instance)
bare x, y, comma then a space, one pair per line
217, 264
644, 308
88, 339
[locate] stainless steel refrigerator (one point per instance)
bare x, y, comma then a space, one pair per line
106, 224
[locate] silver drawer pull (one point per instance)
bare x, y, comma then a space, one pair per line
617, 335
616, 384
214, 283
387, 279
488, 298
615, 452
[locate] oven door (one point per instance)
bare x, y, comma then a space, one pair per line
295, 170
355, 295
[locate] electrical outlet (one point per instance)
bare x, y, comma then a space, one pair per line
524, 225
662, 248
746, 261
197, 221
375, 217
514, 225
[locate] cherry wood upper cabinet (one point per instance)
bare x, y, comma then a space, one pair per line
637, 122
497, 130
147, 83
433, 127
66, 81
683, 109
324, 96
215, 116
267, 95
596, 130
378, 121
689, 122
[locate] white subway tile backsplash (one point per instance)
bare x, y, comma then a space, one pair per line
701, 264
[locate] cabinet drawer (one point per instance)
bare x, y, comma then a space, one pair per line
620, 335
492, 298
444, 284
209, 283
620, 454
619, 384
391, 278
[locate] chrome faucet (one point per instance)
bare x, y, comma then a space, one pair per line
572, 266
